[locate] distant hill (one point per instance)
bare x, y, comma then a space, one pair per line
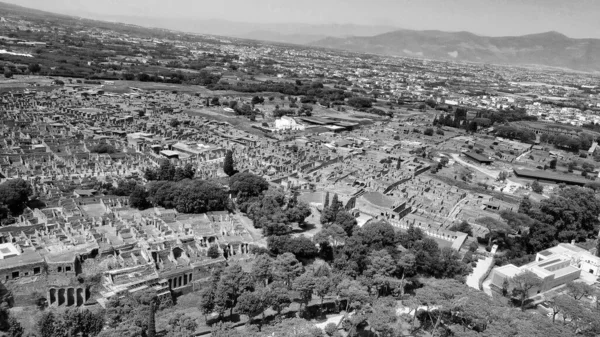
296, 33
548, 49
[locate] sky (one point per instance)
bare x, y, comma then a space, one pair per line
574, 18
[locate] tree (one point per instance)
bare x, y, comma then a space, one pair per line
553, 163
428, 132
46, 324
250, 304
380, 270
14, 194
346, 221
326, 204
139, 198
578, 290
34, 68
463, 227
494, 226
181, 325
382, 317
14, 328
232, 283
228, 164
280, 297
333, 235
560, 303
444, 161
301, 246
305, 285
572, 213
246, 185
213, 252
353, 293
523, 283
8, 73
323, 287
537, 187
207, 300
502, 176
262, 269
287, 268
525, 205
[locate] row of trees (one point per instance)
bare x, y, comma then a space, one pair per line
314, 91
511, 132
168, 171
582, 141
186, 196
103, 148
442, 307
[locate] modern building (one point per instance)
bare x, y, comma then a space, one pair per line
556, 266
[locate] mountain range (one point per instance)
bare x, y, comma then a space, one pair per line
295, 33
548, 49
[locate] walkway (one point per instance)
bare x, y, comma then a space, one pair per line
479, 272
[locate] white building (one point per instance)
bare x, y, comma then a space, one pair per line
555, 266
288, 123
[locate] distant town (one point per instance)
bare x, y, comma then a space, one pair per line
158, 183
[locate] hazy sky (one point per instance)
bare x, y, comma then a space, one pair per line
575, 18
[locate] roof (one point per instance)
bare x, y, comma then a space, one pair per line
378, 199
478, 157
169, 153
317, 120
557, 177
24, 259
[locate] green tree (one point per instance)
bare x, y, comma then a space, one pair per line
139, 198
228, 164
232, 284
463, 227
494, 226
525, 205
578, 290
207, 301
14, 194
537, 187
245, 185
14, 328
523, 283
262, 269
287, 268
181, 325
213, 252
305, 285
